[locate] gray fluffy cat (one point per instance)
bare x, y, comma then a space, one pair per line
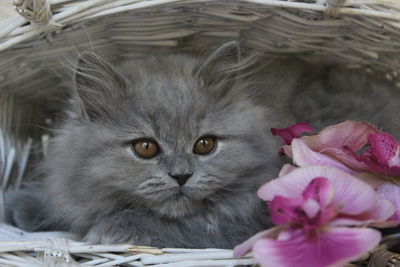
169, 151
165, 151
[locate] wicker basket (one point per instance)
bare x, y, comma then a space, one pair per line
35, 45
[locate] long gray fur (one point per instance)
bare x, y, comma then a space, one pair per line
96, 186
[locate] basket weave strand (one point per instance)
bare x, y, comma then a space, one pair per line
37, 11
56, 251
333, 7
383, 257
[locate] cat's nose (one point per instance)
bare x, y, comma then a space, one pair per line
181, 178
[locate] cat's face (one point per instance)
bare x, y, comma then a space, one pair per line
169, 141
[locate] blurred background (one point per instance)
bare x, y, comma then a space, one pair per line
6, 9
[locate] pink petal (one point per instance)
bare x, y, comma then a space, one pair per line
394, 171
330, 247
344, 157
383, 210
284, 209
293, 131
246, 246
383, 155
351, 195
327, 215
286, 168
352, 134
388, 191
385, 148
287, 150
332, 140
374, 166
304, 156
391, 192
378, 215
374, 180
321, 190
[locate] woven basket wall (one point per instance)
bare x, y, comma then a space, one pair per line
37, 45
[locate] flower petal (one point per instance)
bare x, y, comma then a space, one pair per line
351, 195
388, 189
246, 246
385, 149
376, 167
391, 192
373, 179
383, 155
286, 168
292, 131
285, 209
330, 247
345, 157
378, 215
304, 156
352, 134
319, 189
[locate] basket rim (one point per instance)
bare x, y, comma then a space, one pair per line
14, 31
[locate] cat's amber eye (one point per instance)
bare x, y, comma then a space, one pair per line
204, 145
146, 148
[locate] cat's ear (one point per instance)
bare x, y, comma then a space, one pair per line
220, 68
97, 86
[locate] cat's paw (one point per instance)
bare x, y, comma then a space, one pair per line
25, 209
112, 233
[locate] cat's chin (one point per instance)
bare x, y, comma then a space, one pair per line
177, 206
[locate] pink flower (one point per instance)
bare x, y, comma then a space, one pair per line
353, 196
313, 206
382, 156
342, 142
308, 211
336, 141
290, 132
338, 145
332, 247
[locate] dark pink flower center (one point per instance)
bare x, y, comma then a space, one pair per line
309, 211
382, 155
385, 149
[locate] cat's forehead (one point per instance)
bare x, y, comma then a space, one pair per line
165, 83
167, 100
172, 108
174, 121
168, 67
